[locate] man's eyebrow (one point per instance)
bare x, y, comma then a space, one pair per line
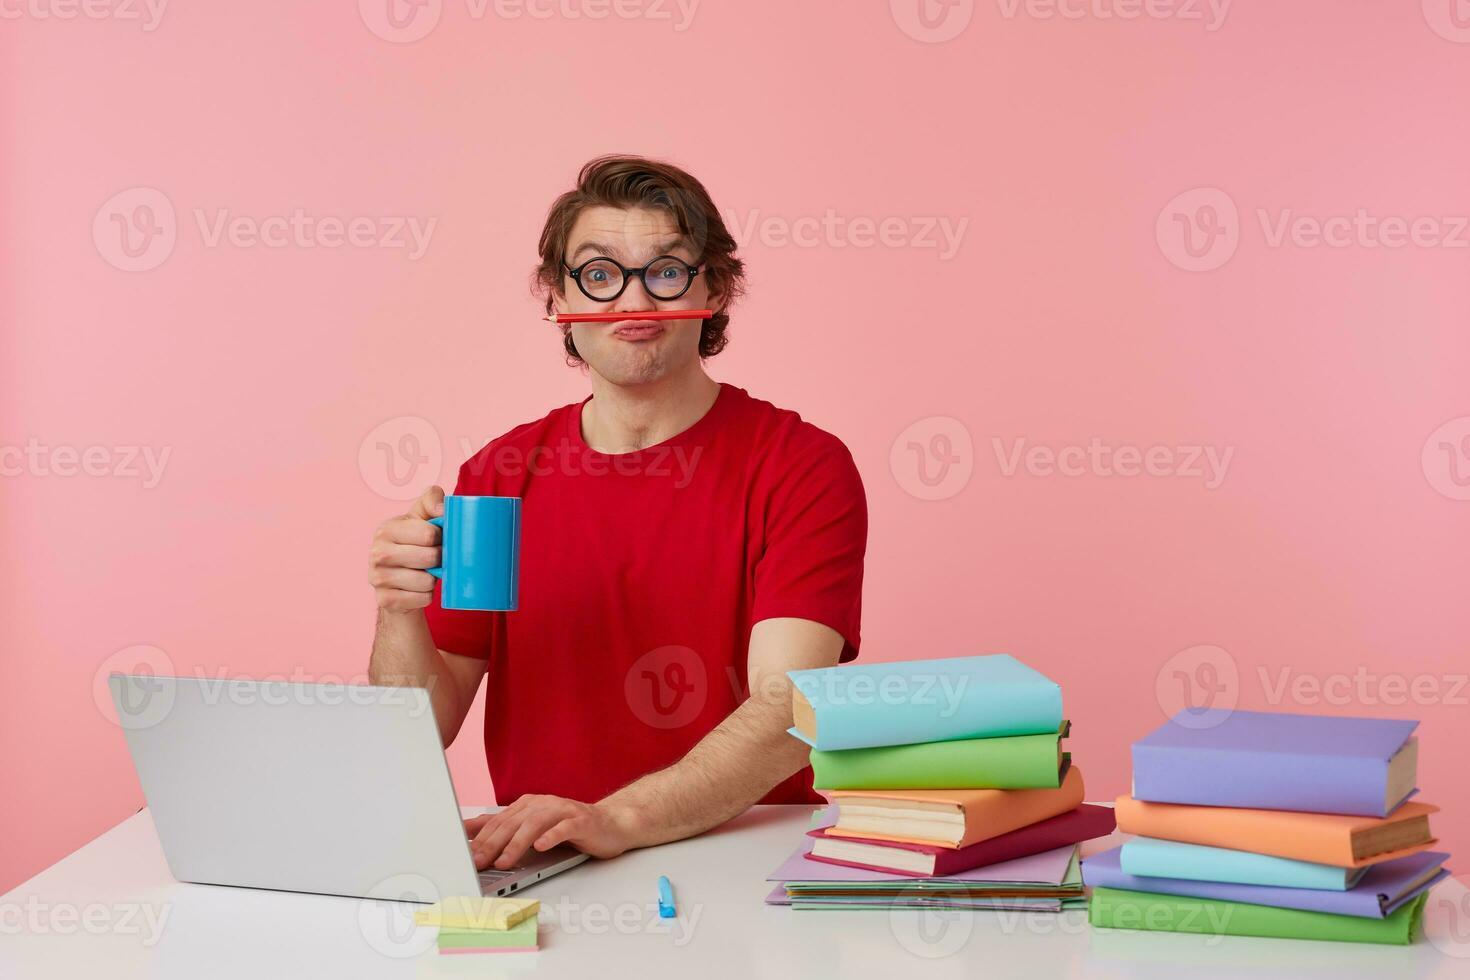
598, 248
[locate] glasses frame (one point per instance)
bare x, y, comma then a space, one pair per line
628, 275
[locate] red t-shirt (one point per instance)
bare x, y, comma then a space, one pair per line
641, 576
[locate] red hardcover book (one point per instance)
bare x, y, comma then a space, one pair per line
929, 861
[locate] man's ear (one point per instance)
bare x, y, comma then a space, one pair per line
715, 300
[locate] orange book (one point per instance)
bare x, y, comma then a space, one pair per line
949, 817
1323, 838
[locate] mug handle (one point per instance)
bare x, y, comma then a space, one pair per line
438, 570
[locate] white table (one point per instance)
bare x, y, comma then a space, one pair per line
88, 916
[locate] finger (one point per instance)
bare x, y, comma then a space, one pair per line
559, 833
411, 530
536, 823
430, 504
491, 840
473, 824
404, 579
395, 555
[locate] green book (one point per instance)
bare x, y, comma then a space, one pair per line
1007, 762
520, 935
1114, 908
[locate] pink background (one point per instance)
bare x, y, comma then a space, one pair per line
1333, 549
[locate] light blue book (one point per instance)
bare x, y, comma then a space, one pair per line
904, 702
1149, 858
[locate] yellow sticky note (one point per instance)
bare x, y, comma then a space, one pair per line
477, 912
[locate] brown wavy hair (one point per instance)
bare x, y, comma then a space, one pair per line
622, 181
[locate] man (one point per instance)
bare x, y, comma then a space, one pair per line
683, 546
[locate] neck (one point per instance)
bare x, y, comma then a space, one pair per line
625, 418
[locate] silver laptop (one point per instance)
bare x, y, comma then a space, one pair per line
334, 789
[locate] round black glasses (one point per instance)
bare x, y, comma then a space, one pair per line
602, 279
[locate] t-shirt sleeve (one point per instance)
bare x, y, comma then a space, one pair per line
467, 632
816, 536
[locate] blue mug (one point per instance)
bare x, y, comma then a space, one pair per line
480, 553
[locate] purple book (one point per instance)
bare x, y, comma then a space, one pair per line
1377, 894
1276, 761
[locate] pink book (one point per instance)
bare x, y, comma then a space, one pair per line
929, 860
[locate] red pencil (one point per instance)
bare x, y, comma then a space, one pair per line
641, 315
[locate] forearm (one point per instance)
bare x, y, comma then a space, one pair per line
726, 772
404, 655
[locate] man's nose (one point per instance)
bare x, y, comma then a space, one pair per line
635, 298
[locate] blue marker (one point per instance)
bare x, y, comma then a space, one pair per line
665, 898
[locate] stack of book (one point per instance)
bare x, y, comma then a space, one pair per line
483, 925
934, 769
1271, 824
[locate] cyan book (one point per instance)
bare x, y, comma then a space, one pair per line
1152, 858
905, 702
1278, 761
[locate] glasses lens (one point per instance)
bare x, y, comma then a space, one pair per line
667, 277
601, 279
